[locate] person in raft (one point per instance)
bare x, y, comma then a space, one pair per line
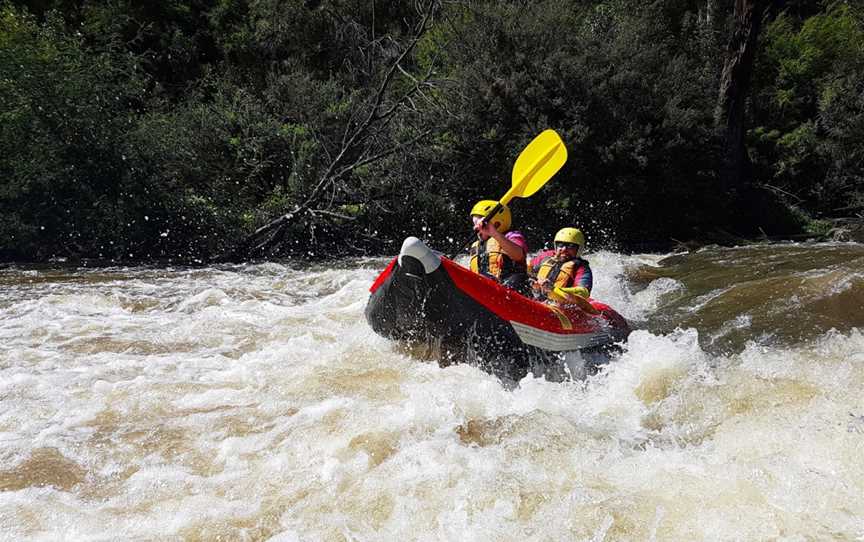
563, 274
499, 252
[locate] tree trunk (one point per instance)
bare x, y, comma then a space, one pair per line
708, 12
735, 167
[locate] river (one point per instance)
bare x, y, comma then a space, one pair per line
253, 402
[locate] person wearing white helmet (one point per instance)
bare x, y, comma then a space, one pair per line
565, 270
498, 252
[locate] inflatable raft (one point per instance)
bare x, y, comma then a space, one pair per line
423, 298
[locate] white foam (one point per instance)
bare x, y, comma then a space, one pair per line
255, 402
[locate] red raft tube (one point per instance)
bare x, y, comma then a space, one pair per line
425, 298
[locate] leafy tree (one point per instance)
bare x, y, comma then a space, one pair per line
810, 70
179, 129
66, 108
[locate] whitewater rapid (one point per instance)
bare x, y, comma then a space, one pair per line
254, 403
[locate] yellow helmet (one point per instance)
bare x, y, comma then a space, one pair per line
502, 219
571, 235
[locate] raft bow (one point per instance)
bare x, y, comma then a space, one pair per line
425, 298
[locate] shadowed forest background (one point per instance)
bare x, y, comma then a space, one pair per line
225, 129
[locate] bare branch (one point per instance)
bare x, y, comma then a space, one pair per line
331, 213
379, 97
381, 154
354, 136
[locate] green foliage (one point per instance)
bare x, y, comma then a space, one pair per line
819, 228
640, 141
143, 130
807, 113
68, 107
841, 149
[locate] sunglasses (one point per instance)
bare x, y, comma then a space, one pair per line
567, 245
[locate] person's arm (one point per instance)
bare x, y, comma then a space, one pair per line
584, 278
513, 250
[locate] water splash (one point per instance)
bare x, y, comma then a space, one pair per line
253, 402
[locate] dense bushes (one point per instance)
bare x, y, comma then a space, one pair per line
172, 130
66, 111
808, 109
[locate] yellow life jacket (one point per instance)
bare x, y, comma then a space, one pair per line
493, 262
561, 274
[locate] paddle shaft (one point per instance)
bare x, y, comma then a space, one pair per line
476, 236
524, 183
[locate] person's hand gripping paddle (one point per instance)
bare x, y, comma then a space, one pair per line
536, 165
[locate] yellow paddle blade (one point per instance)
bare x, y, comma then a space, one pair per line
540, 160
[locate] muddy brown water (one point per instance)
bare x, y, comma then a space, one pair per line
254, 403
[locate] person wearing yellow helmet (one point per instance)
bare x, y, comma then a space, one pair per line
498, 252
565, 268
